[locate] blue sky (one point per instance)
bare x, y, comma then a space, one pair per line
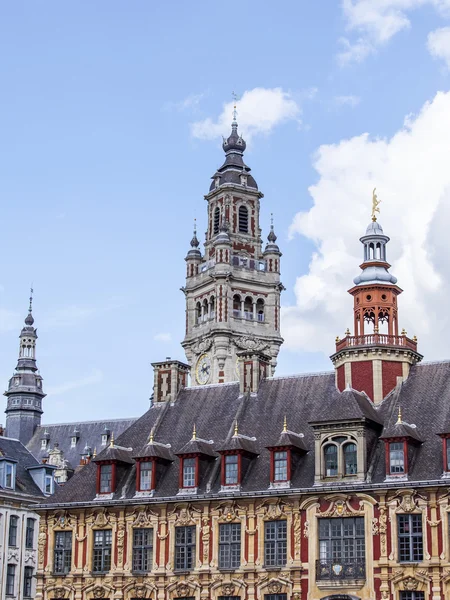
110, 120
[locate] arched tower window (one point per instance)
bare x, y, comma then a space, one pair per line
236, 306
330, 455
350, 459
260, 310
198, 313
243, 219
216, 224
248, 308
212, 307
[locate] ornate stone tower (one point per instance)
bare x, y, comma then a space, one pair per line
24, 394
233, 289
376, 357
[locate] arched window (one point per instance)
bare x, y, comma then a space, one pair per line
371, 252
248, 308
243, 219
198, 313
216, 224
330, 453
350, 460
260, 310
236, 306
378, 251
212, 307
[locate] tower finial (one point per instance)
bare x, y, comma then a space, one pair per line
30, 308
399, 418
194, 433
111, 443
285, 424
235, 98
29, 318
375, 203
150, 439
95, 452
236, 427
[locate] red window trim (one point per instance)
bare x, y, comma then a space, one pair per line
138, 474
196, 477
222, 470
272, 464
445, 441
388, 456
113, 476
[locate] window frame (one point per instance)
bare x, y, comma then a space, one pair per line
140, 470
10, 580
278, 543
389, 465
10, 473
142, 550
273, 464
411, 595
330, 444
62, 553
112, 480
182, 472
49, 483
185, 551
13, 530
411, 536
28, 582
229, 547
103, 552
224, 469
29, 533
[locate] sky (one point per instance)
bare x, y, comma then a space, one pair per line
111, 117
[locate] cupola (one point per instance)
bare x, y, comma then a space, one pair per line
151, 461
284, 455
195, 458
237, 453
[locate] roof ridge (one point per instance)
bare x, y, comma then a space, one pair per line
299, 375
86, 422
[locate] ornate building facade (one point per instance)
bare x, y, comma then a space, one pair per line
247, 486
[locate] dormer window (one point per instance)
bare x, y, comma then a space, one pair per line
43, 444
230, 469
189, 472
397, 463
330, 455
104, 439
106, 479
8, 470
146, 473
281, 464
49, 484
73, 441
350, 459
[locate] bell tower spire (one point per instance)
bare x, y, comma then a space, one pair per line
233, 289
375, 357
25, 394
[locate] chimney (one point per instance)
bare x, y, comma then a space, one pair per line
170, 376
253, 366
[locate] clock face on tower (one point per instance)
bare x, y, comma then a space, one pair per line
203, 369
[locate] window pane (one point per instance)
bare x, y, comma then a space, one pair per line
146, 475
350, 462
331, 460
105, 479
341, 549
275, 548
410, 541
281, 466
231, 470
142, 549
229, 545
189, 472
12, 536
184, 547
396, 457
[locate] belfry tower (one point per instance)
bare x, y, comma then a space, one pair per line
25, 394
232, 289
376, 357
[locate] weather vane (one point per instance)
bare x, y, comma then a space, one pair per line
235, 99
375, 203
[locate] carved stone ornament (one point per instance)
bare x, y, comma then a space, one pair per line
306, 530
249, 342
408, 504
101, 519
183, 590
342, 508
203, 345
139, 591
410, 584
274, 587
228, 589
59, 592
99, 592
273, 511
30, 556
13, 554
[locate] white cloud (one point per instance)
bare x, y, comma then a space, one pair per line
259, 111
163, 337
410, 171
191, 102
377, 21
438, 43
350, 100
95, 377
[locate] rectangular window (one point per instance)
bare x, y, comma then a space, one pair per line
229, 546
105, 479
142, 550
184, 548
447, 452
275, 543
275, 596
12, 537
63, 552
9, 476
189, 472
229, 598
73, 442
146, 470
49, 484
410, 541
27, 582
10, 579
29, 534
102, 551
412, 595
280, 460
231, 469
396, 457
341, 549
43, 444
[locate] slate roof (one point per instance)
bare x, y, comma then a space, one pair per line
11, 448
424, 399
89, 432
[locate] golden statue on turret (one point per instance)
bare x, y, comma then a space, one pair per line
375, 203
